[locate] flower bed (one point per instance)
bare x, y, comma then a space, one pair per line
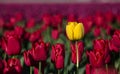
59, 42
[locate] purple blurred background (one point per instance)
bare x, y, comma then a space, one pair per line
35, 8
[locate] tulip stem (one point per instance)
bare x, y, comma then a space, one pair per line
58, 71
5, 56
77, 57
107, 68
30, 70
40, 68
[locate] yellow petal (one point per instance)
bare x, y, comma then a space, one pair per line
78, 31
69, 30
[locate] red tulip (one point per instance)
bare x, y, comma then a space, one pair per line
80, 51
109, 16
55, 34
99, 19
30, 23
11, 43
71, 18
13, 20
100, 70
118, 18
19, 31
56, 20
114, 43
46, 19
13, 66
2, 22
40, 50
18, 16
87, 22
35, 36
100, 54
102, 46
28, 58
57, 55
97, 31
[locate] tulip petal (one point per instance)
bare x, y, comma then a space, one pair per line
78, 31
69, 30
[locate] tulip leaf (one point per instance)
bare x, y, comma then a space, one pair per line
117, 63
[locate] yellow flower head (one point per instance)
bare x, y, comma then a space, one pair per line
74, 30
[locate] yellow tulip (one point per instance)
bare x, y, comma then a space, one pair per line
74, 30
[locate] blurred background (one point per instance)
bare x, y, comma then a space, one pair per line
59, 1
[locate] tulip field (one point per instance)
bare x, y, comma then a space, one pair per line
58, 44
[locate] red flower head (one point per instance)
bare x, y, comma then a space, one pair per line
18, 16
71, 18
55, 34
35, 36
100, 54
115, 41
57, 55
13, 66
11, 43
56, 20
109, 16
19, 31
99, 19
28, 58
87, 22
40, 50
30, 23
80, 51
97, 31
2, 22
47, 19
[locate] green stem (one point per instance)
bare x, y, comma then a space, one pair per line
58, 71
77, 57
107, 68
30, 70
5, 56
13, 57
39, 68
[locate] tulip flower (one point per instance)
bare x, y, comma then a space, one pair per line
19, 31
74, 30
71, 18
114, 42
87, 22
55, 34
97, 31
18, 16
40, 50
2, 22
11, 43
28, 58
13, 66
80, 51
99, 19
58, 55
46, 19
35, 36
56, 20
109, 16
100, 54
30, 23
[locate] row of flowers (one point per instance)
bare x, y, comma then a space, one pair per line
16, 35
